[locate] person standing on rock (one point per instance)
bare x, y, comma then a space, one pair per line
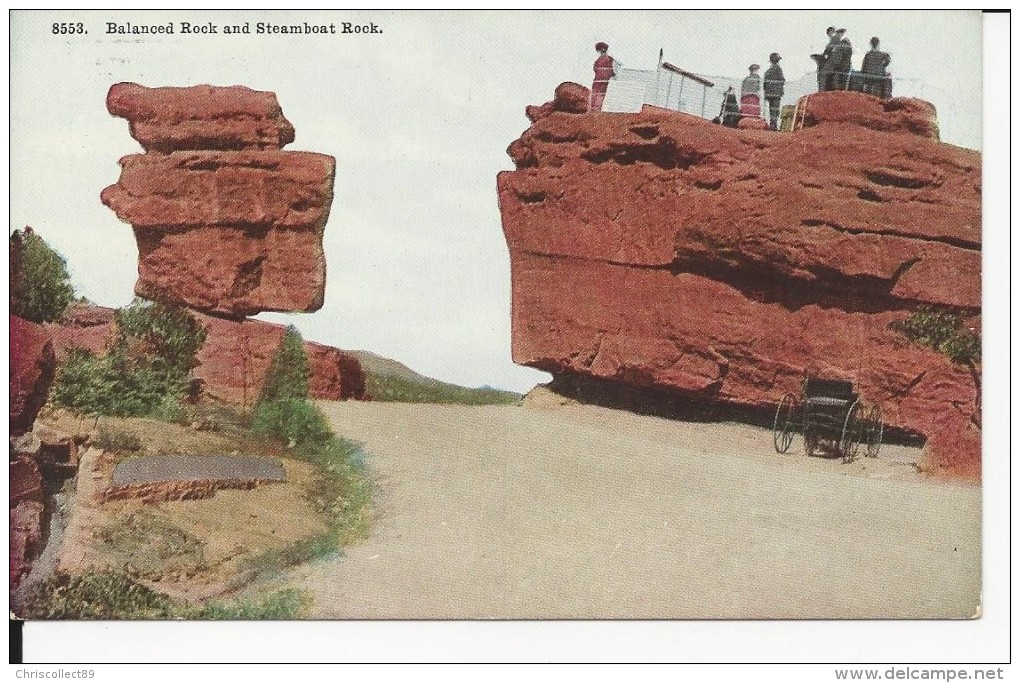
822, 60
605, 69
750, 89
874, 69
773, 88
839, 62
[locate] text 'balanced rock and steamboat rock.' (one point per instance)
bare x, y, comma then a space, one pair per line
226, 221
657, 251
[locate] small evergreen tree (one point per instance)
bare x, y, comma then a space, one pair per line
287, 377
40, 285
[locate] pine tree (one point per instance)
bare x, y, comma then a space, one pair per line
287, 377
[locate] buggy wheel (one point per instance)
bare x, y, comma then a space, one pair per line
853, 431
873, 431
783, 426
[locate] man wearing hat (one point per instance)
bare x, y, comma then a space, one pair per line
605, 68
773, 89
838, 65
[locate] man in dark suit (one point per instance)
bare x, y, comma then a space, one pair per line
874, 69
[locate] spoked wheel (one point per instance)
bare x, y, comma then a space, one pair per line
784, 425
873, 431
853, 431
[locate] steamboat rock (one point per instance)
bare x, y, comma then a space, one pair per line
657, 252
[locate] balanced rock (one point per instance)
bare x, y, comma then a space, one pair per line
659, 252
226, 222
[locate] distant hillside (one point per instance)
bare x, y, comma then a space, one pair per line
389, 380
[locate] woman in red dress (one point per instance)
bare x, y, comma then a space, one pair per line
605, 68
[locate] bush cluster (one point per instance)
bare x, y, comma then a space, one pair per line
146, 372
942, 331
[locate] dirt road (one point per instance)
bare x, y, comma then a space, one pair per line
583, 512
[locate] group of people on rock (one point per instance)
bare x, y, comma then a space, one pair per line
835, 71
752, 85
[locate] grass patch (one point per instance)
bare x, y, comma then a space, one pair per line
112, 595
383, 387
150, 547
113, 439
288, 603
339, 492
98, 595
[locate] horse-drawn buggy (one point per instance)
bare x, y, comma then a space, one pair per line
832, 418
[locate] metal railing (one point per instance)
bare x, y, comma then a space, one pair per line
672, 88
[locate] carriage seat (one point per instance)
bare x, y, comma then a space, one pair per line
829, 392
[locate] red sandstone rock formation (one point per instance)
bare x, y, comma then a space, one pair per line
33, 365
236, 356
82, 326
201, 117
661, 252
234, 359
226, 222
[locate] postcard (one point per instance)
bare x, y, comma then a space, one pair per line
380, 315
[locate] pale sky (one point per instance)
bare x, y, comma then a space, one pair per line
419, 119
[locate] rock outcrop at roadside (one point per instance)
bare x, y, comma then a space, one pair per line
40, 458
33, 367
657, 252
233, 361
226, 221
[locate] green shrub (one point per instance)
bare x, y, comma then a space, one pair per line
287, 376
942, 331
40, 285
171, 409
291, 419
163, 338
111, 439
146, 372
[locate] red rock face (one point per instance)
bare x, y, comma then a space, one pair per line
236, 356
662, 252
897, 115
33, 365
201, 117
82, 326
225, 221
234, 359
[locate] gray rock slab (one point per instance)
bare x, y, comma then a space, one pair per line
158, 468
